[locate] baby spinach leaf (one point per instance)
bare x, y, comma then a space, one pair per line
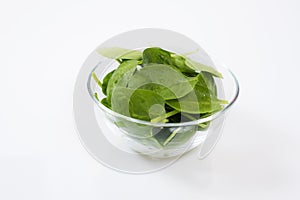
146, 105
187, 65
120, 76
105, 103
156, 55
157, 110
200, 67
163, 91
190, 104
210, 82
119, 53
120, 100
140, 133
184, 64
160, 56
136, 130
164, 80
139, 104
180, 63
198, 101
106, 80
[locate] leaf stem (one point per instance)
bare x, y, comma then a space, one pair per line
164, 116
202, 125
96, 79
190, 52
189, 116
96, 96
221, 101
171, 136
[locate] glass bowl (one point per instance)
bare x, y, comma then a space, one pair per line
161, 140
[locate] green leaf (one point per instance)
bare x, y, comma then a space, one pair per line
156, 110
163, 80
160, 56
135, 130
156, 55
105, 103
196, 105
119, 53
200, 100
210, 82
120, 100
159, 89
120, 76
146, 105
180, 63
106, 80
200, 67
184, 64
139, 104
140, 133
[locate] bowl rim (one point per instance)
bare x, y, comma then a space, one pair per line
148, 123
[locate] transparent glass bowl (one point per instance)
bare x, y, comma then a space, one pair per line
144, 137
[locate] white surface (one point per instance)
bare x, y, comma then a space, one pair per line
43, 45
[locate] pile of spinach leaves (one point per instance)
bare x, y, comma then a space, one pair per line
159, 86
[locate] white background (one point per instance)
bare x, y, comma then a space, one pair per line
43, 45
